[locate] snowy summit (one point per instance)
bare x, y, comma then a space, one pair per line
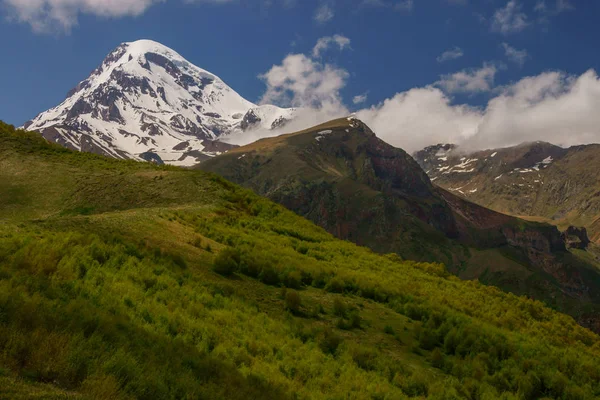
147, 101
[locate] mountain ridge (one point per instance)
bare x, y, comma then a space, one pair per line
343, 178
535, 180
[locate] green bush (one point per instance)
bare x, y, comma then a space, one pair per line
339, 307
293, 302
335, 285
269, 276
330, 341
227, 261
293, 280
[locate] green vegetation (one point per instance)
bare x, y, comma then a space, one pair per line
127, 280
361, 189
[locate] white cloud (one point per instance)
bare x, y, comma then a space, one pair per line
323, 44
469, 81
517, 56
419, 117
509, 19
552, 106
451, 54
359, 99
324, 14
303, 82
44, 15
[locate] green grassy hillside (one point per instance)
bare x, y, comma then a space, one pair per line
359, 188
127, 280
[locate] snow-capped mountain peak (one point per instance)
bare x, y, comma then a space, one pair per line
145, 99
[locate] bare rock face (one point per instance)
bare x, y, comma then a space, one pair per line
146, 98
152, 157
280, 123
576, 238
250, 120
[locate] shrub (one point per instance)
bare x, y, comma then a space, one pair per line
293, 301
365, 358
330, 342
355, 320
416, 385
269, 276
293, 280
339, 308
389, 330
335, 285
227, 262
427, 339
437, 359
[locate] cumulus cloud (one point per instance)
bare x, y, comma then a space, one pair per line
359, 99
451, 54
303, 82
44, 15
552, 106
324, 43
324, 14
517, 56
509, 19
469, 81
420, 117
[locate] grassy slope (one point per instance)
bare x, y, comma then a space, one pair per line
328, 177
107, 291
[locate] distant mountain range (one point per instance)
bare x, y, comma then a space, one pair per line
145, 101
345, 179
537, 180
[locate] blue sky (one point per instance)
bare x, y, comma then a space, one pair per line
395, 46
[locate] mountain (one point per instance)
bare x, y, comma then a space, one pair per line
122, 280
146, 101
359, 188
536, 180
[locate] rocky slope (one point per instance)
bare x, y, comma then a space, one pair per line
146, 98
539, 180
344, 178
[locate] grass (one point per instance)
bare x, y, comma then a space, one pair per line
108, 290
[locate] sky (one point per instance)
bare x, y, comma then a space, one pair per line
484, 74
